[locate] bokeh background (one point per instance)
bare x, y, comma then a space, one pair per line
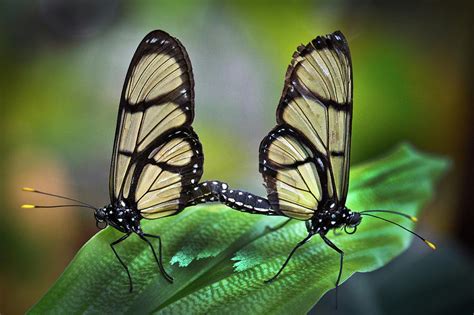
62, 69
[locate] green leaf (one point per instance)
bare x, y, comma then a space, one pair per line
219, 257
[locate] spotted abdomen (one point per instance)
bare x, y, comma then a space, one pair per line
210, 191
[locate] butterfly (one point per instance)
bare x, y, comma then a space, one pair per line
305, 158
157, 157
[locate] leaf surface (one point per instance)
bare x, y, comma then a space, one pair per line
219, 257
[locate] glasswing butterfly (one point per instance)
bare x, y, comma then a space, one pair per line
304, 160
157, 157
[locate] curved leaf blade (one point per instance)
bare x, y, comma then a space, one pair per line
228, 254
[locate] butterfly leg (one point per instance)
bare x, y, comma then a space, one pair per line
120, 259
158, 261
289, 257
341, 253
277, 227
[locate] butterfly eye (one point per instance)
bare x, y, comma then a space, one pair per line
100, 215
354, 220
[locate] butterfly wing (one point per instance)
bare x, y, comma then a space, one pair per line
162, 177
317, 105
296, 176
157, 101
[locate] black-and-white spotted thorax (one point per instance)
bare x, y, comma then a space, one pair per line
121, 216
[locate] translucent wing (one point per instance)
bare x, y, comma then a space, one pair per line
160, 179
296, 175
317, 102
157, 97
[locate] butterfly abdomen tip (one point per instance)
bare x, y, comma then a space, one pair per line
28, 189
28, 206
431, 245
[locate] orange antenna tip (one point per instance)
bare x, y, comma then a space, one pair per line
431, 245
28, 189
28, 206
414, 219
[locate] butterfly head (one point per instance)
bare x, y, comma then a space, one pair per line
353, 219
100, 215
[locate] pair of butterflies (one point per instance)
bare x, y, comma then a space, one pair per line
157, 160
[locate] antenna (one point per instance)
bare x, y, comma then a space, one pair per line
28, 206
410, 217
431, 245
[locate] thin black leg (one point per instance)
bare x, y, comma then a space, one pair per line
158, 261
289, 257
277, 227
120, 259
341, 253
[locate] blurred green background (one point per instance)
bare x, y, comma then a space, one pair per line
62, 69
